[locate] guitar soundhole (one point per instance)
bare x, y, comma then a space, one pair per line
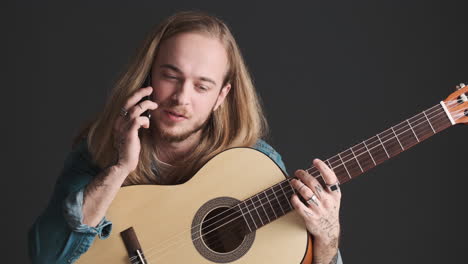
219, 232
223, 230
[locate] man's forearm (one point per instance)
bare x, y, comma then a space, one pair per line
100, 192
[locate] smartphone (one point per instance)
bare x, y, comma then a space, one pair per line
146, 83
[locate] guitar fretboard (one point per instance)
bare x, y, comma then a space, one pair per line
272, 203
371, 152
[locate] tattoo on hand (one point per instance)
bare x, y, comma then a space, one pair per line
319, 190
334, 260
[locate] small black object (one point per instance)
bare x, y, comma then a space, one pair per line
146, 84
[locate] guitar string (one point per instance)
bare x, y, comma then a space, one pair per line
423, 134
262, 198
340, 164
441, 111
159, 257
265, 203
390, 135
397, 145
214, 217
258, 207
249, 212
175, 242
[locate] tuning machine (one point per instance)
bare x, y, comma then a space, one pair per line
462, 98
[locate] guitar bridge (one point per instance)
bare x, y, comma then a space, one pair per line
135, 253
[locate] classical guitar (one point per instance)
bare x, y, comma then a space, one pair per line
236, 208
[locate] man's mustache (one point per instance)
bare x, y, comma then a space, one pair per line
174, 107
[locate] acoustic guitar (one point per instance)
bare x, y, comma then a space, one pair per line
236, 208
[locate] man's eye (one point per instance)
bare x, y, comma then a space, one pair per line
204, 88
170, 76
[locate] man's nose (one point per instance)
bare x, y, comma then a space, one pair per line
182, 93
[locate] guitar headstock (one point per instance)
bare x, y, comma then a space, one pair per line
457, 104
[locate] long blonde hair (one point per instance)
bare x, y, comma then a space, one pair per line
238, 122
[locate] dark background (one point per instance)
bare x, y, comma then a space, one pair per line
330, 73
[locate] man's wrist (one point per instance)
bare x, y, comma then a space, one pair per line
119, 170
325, 251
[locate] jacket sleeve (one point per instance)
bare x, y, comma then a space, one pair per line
268, 150
58, 234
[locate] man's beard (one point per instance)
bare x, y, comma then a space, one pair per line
171, 138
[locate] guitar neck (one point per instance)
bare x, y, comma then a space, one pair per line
366, 155
362, 157
348, 164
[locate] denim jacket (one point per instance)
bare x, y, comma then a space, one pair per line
58, 235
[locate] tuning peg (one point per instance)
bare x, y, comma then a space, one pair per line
461, 85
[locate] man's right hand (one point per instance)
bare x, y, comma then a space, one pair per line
126, 128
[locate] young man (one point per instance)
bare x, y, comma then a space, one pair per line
202, 101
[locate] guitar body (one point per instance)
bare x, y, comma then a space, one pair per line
164, 217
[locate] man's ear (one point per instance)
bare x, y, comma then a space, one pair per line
222, 95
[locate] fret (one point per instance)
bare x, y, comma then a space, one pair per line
351, 163
329, 165
390, 142
274, 203
376, 149
262, 210
285, 195
421, 126
412, 129
406, 136
338, 167
245, 219
402, 148
344, 166
363, 156
439, 118
265, 198
256, 209
281, 206
383, 145
251, 210
356, 159
424, 112
262, 204
364, 142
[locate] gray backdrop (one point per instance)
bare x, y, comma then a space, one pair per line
331, 74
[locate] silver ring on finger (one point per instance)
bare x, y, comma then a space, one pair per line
123, 112
313, 199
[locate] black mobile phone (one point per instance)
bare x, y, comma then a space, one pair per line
146, 83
